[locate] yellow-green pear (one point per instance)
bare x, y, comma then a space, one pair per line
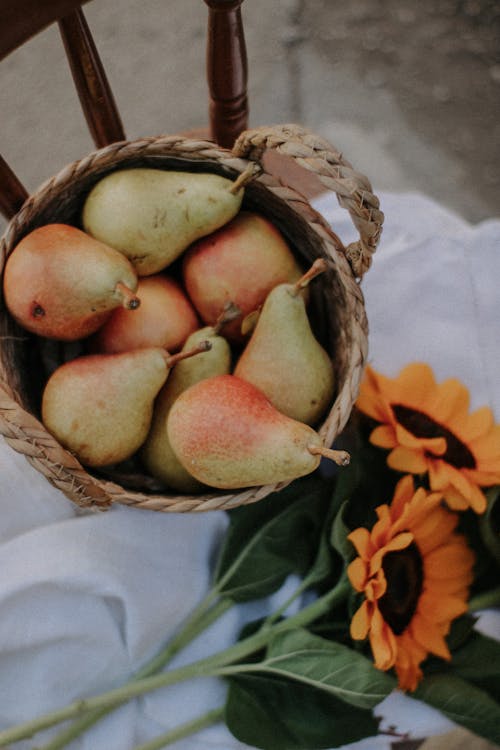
283, 357
100, 406
152, 215
229, 435
156, 453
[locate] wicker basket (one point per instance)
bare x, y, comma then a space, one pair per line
337, 307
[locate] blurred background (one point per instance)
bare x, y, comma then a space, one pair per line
409, 92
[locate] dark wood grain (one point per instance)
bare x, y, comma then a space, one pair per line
12, 192
22, 19
226, 71
94, 91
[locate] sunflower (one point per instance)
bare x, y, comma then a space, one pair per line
428, 429
414, 572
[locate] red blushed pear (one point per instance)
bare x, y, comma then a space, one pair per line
165, 318
100, 406
228, 435
62, 284
240, 262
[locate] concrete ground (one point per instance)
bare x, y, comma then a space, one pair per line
408, 91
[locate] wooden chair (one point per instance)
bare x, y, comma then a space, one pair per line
226, 74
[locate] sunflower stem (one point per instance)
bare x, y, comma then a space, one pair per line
485, 600
210, 666
201, 617
184, 730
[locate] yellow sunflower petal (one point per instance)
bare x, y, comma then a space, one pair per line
433, 528
357, 574
382, 528
382, 642
420, 507
460, 484
449, 561
410, 655
486, 446
407, 459
428, 635
383, 436
452, 401
376, 587
360, 623
455, 501
361, 540
458, 586
403, 494
438, 474
477, 424
406, 438
439, 608
370, 400
474, 498
413, 385
399, 542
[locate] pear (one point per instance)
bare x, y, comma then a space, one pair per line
152, 215
165, 318
241, 262
228, 435
62, 284
283, 357
156, 453
100, 406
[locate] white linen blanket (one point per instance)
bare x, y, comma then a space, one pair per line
86, 599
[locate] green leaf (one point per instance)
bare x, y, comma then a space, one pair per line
489, 524
338, 538
329, 666
363, 485
478, 661
280, 714
463, 703
271, 539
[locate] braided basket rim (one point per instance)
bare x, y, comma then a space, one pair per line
27, 435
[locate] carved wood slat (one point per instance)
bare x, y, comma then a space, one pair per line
226, 71
23, 19
92, 85
12, 192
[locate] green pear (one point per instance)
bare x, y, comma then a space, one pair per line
283, 357
156, 453
100, 406
152, 215
228, 435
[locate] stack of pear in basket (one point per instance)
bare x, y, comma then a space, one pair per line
197, 330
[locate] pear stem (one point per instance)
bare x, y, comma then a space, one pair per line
172, 359
246, 176
341, 458
130, 300
230, 312
319, 266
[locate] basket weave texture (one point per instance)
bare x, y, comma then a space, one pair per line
337, 304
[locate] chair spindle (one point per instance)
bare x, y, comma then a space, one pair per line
226, 71
91, 83
12, 192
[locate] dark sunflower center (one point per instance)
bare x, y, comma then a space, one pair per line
422, 426
404, 575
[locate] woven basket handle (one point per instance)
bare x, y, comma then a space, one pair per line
354, 191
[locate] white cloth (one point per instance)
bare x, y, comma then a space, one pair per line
85, 600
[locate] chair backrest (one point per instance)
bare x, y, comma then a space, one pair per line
226, 69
